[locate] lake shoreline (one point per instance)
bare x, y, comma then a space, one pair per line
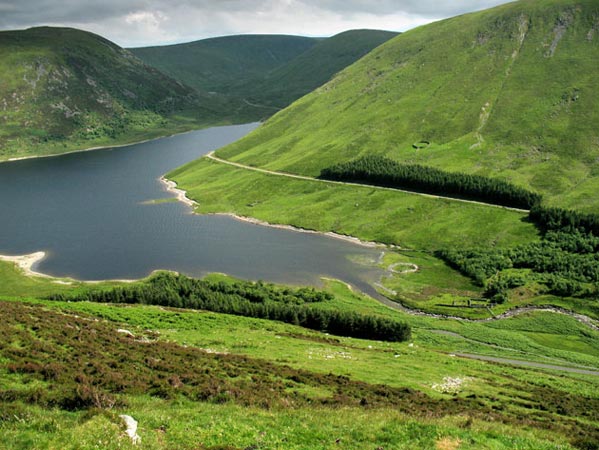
105, 147
331, 234
181, 195
27, 263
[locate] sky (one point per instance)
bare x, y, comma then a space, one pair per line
134, 23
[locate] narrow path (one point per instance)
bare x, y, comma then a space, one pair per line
518, 362
553, 361
344, 183
258, 105
585, 320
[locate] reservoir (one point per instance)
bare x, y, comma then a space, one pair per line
93, 214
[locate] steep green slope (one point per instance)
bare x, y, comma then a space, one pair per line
313, 68
64, 89
509, 92
217, 63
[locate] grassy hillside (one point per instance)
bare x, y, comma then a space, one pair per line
64, 89
509, 92
313, 68
217, 63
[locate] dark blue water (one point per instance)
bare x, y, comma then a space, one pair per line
87, 211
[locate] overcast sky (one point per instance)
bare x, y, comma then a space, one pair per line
132, 23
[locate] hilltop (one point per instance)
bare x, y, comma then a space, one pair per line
508, 92
269, 70
65, 89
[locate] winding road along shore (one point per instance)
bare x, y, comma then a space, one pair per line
344, 183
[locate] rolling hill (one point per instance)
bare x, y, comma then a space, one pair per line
508, 92
216, 64
63, 89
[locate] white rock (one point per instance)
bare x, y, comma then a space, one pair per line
131, 431
125, 332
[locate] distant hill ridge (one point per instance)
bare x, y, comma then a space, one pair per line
271, 70
215, 64
313, 68
510, 92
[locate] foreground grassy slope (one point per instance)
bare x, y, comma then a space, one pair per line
508, 92
218, 63
313, 68
65, 89
204, 380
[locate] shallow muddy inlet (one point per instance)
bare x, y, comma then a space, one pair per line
94, 215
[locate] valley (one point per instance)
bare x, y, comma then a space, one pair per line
402, 254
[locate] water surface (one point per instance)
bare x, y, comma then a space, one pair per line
89, 212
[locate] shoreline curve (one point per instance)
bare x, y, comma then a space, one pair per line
27, 263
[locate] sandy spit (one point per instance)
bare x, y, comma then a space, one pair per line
171, 186
26, 262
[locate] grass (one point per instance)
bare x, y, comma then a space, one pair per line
401, 366
186, 425
180, 422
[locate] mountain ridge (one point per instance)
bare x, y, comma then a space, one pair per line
213, 64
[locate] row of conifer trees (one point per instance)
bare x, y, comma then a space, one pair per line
382, 171
260, 300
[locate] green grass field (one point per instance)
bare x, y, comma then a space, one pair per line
410, 221
421, 365
455, 417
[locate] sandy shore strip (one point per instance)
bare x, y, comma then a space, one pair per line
180, 194
26, 263
344, 237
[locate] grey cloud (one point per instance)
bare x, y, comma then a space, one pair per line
151, 22
427, 8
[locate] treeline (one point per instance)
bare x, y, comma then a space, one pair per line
259, 300
564, 219
565, 261
382, 171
